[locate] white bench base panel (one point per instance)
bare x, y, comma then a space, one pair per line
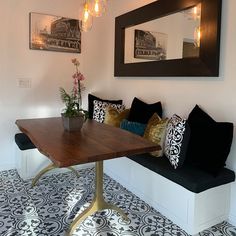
30, 162
190, 211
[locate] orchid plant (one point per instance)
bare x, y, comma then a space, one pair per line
73, 101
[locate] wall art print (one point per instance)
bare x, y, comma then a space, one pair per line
54, 33
150, 45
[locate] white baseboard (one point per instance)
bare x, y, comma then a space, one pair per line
232, 219
7, 167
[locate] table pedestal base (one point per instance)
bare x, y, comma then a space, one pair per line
48, 168
98, 202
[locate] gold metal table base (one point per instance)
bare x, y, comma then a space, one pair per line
48, 168
98, 202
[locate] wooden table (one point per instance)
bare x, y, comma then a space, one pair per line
95, 142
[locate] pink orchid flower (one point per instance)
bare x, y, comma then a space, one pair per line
75, 61
79, 76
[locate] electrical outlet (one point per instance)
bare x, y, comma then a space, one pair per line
24, 83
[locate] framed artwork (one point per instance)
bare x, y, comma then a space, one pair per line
150, 45
54, 33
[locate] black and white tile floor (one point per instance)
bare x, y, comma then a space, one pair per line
48, 209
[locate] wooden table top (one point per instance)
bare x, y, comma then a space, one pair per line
95, 141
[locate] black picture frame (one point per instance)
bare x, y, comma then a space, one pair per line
207, 64
54, 33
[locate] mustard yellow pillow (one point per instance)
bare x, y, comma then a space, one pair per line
154, 120
155, 132
114, 117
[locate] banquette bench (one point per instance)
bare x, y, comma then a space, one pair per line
29, 161
189, 177
193, 199
189, 184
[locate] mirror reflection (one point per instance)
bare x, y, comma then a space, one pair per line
174, 36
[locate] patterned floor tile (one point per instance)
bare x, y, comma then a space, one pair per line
49, 208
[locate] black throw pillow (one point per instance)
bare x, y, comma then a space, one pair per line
91, 98
141, 112
197, 115
209, 143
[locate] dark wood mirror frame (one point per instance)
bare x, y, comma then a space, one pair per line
207, 64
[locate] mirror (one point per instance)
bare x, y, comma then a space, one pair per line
169, 38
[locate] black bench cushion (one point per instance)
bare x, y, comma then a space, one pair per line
23, 141
189, 177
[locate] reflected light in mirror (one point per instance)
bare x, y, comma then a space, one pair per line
194, 13
197, 36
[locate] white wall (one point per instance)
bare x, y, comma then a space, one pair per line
178, 95
50, 70
47, 70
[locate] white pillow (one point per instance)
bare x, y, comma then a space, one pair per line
100, 109
177, 139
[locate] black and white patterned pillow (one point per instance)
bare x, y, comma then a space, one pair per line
100, 109
176, 142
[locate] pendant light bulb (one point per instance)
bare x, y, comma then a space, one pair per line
86, 16
97, 7
86, 20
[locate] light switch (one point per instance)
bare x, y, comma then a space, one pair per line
24, 83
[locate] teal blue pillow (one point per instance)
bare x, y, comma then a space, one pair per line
134, 127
